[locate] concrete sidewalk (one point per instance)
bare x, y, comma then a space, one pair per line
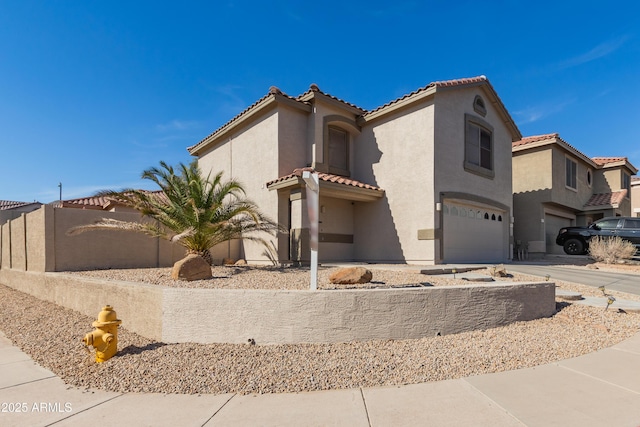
598, 389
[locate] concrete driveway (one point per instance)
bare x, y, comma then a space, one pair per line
617, 281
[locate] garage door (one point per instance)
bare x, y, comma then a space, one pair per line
473, 234
552, 224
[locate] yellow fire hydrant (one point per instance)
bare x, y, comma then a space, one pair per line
105, 337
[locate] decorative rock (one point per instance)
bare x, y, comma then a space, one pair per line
228, 261
192, 267
241, 262
498, 271
351, 275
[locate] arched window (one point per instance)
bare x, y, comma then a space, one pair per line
478, 106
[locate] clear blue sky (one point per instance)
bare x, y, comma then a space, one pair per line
94, 92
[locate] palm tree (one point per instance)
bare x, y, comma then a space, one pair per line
192, 210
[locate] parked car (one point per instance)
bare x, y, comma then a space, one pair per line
575, 240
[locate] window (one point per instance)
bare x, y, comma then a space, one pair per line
479, 107
626, 183
571, 172
338, 150
608, 224
478, 153
632, 223
589, 177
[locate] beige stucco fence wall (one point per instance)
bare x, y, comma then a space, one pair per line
38, 241
276, 317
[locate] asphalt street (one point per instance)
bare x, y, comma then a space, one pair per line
623, 282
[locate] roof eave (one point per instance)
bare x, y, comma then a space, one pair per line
600, 207
310, 95
621, 164
261, 108
332, 189
397, 106
501, 109
432, 89
561, 143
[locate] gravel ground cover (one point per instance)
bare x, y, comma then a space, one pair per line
143, 365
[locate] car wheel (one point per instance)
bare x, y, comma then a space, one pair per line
574, 247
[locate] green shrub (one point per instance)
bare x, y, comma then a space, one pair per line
610, 250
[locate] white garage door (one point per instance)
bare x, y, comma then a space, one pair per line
473, 234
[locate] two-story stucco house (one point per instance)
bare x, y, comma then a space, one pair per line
555, 186
425, 178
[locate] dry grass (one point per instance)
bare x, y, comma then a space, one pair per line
611, 250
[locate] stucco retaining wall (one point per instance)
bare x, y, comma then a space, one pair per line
279, 317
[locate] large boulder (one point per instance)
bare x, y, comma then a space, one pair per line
191, 267
351, 275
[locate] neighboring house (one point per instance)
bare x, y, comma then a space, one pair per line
635, 196
10, 210
425, 178
95, 203
555, 185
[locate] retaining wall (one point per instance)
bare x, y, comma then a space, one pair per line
278, 317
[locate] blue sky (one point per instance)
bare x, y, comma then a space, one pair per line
94, 92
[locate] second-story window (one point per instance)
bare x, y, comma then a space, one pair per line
338, 149
571, 173
478, 151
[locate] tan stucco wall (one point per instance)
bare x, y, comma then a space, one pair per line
396, 154
138, 305
563, 195
105, 249
450, 174
7, 214
251, 157
40, 244
532, 170
18, 243
609, 180
293, 149
281, 317
38, 241
336, 217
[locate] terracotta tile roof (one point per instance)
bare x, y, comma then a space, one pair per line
273, 91
94, 202
442, 84
328, 178
606, 160
313, 88
606, 199
635, 179
536, 138
8, 204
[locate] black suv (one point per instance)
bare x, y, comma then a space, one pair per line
575, 240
